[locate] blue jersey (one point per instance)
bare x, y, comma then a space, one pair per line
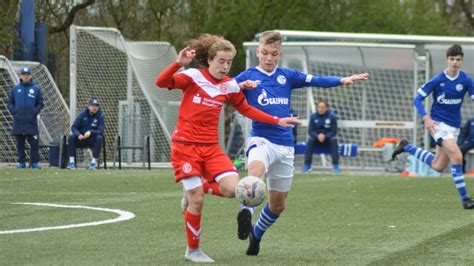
448, 95
273, 95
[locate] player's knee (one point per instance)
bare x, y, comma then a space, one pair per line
227, 192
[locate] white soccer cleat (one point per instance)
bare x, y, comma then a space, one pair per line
196, 255
184, 203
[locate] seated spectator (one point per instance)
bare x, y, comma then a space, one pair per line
466, 141
322, 130
87, 131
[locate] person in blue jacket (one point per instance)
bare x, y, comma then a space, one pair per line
25, 103
466, 141
87, 131
322, 131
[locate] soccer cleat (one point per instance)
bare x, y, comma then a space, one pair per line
21, 166
184, 203
92, 166
400, 148
468, 204
71, 166
306, 169
254, 245
35, 166
196, 255
336, 170
244, 224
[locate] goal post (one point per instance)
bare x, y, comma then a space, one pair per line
121, 72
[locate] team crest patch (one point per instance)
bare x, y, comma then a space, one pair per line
224, 88
459, 87
281, 79
187, 168
32, 91
328, 121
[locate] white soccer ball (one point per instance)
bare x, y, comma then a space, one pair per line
251, 191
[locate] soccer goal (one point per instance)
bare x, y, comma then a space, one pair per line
121, 74
53, 119
379, 108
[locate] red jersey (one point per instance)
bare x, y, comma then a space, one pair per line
203, 98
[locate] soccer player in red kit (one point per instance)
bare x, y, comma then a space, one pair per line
195, 150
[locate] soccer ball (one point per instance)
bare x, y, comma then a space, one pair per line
251, 191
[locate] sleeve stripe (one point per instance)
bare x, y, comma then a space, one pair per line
422, 93
309, 77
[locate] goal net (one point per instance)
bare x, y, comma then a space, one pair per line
367, 111
121, 74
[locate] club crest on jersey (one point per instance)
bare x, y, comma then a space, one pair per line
224, 88
32, 91
197, 98
441, 85
264, 100
459, 87
281, 79
187, 168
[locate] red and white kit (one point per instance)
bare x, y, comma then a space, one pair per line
195, 141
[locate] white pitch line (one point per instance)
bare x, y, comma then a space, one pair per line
123, 216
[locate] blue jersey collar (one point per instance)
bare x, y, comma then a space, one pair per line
265, 72
449, 77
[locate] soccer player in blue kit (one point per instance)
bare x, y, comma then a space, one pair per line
448, 89
270, 148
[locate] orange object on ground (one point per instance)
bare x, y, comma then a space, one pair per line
381, 142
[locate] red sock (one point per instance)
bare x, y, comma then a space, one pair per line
193, 229
211, 188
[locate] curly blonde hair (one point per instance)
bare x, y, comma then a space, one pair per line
207, 46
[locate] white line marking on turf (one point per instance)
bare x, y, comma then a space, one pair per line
123, 216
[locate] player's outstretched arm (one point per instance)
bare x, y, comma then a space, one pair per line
289, 122
248, 85
350, 80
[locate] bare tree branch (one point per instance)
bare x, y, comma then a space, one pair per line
467, 9
70, 17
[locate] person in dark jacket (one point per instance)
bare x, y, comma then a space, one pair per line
466, 140
87, 131
25, 103
322, 131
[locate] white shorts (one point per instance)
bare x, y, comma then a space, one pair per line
278, 161
444, 131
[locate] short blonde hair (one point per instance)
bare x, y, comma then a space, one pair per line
207, 46
270, 37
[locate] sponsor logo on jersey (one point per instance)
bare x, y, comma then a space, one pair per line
281, 79
264, 100
459, 87
197, 98
442, 100
187, 168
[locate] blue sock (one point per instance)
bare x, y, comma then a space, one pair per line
458, 177
420, 154
266, 219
